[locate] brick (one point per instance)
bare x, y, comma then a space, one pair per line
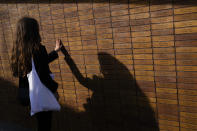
119, 12
85, 12
123, 51
58, 21
118, 7
73, 29
186, 68
89, 27
167, 101
88, 32
185, 10
163, 50
144, 21
105, 46
86, 17
104, 31
144, 73
162, 13
165, 78
162, 26
143, 33
164, 68
71, 9
182, 17
187, 114
160, 6
140, 28
121, 29
87, 22
143, 67
139, 10
58, 11
122, 40
124, 57
141, 45
186, 62
120, 18
163, 38
183, 56
74, 38
72, 19
76, 48
165, 73
88, 37
141, 39
190, 36
121, 46
187, 98
73, 24
190, 43
163, 32
162, 19
98, 3
134, 4
172, 123
72, 34
120, 24
124, 34
139, 16
163, 56
186, 49
74, 43
144, 78
104, 36
185, 23
166, 96
142, 51
186, 30
164, 62
143, 56
166, 90
165, 85
83, 6
71, 14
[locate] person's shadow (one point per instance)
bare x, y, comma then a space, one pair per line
117, 102
13, 116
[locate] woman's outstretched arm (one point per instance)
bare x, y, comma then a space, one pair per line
53, 54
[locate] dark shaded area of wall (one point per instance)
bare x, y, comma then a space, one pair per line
132, 63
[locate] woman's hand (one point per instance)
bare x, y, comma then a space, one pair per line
58, 45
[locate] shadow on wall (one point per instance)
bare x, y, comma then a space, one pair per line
12, 114
117, 102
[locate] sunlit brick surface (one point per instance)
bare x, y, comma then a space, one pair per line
113, 44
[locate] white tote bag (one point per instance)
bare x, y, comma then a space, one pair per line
41, 98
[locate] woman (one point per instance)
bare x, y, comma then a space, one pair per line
26, 45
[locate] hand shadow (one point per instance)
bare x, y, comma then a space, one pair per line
117, 102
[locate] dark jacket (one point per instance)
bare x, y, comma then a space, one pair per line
41, 61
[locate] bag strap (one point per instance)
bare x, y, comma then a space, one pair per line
32, 61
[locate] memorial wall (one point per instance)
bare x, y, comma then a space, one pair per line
132, 64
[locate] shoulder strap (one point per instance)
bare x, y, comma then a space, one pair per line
32, 61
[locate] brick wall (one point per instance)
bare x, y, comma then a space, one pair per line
133, 63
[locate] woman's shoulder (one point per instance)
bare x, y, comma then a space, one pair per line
41, 49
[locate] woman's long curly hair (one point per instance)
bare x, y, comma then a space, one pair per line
27, 41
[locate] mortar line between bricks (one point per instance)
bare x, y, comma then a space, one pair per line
155, 86
84, 61
173, 2
55, 43
69, 53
